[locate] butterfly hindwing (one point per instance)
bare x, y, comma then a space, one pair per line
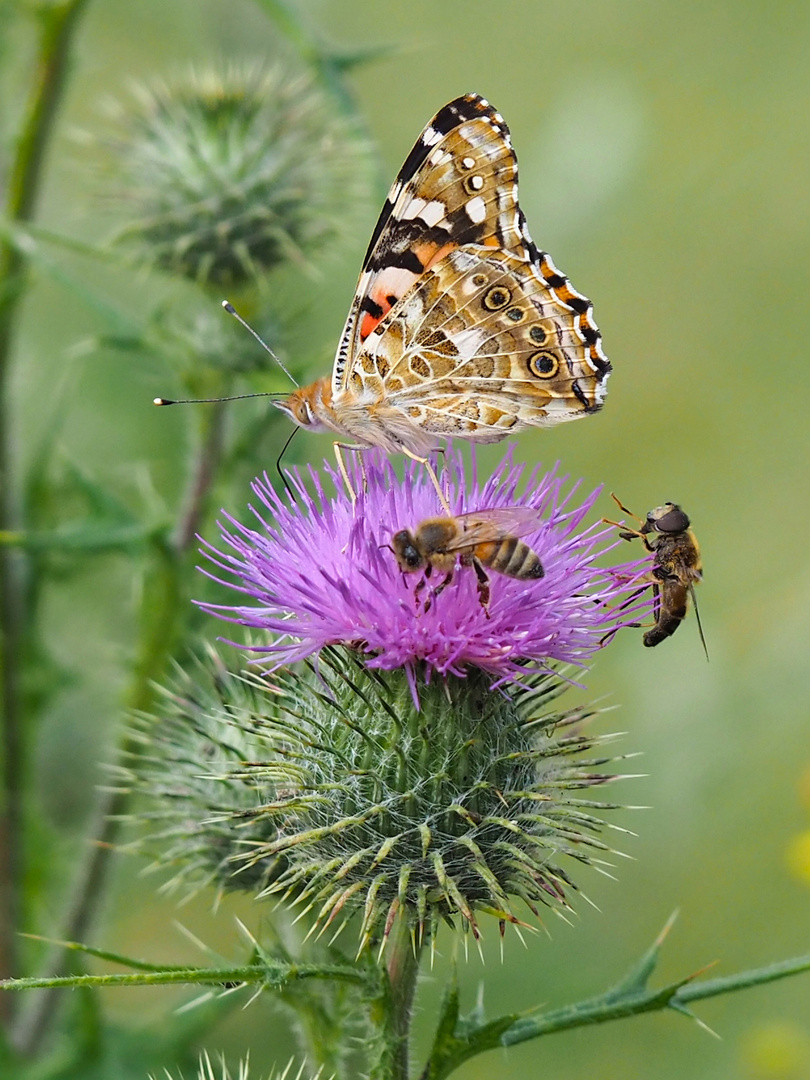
480, 346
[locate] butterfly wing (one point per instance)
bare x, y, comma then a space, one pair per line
425, 337
481, 345
458, 186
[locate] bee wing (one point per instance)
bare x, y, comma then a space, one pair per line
486, 526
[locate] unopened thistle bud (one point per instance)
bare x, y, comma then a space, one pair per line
228, 174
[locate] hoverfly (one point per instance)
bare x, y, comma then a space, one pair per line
676, 569
483, 538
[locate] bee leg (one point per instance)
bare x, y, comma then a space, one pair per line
439, 588
484, 591
421, 584
433, 477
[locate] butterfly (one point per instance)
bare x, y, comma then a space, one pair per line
460, 326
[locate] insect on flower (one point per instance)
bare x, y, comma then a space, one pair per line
313, 569
483, 538
677, 567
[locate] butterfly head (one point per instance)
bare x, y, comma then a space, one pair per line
306, 405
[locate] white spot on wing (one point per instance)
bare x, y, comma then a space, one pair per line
439, 157
429, 212
433, 213
476, 210
413, 209
468, 163
430, 136
468, 342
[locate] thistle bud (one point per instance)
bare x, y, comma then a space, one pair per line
229, 174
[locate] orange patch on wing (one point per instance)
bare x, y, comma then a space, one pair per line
429, 254
370, 322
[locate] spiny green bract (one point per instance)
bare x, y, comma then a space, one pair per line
209, 1071
228, 174
348, 799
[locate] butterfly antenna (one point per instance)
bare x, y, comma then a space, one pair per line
700, 625
210, 400
232, 311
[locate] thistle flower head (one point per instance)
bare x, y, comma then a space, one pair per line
229, 173
332, 791
321, 570
416, 766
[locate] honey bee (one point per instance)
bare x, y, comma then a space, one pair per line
483, 538
677, 567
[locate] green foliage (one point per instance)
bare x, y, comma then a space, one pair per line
250, 177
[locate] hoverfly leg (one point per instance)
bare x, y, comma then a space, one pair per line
697, 616
624, 510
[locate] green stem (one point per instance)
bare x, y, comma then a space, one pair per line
244, 973
58, 23
163, 617
458, 1041
395, 1007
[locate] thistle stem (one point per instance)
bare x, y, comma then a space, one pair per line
204, 471
402, 967
57, 25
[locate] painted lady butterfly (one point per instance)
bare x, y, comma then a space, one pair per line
460, 326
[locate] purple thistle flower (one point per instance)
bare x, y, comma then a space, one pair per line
320, 571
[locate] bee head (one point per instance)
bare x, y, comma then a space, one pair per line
407, 554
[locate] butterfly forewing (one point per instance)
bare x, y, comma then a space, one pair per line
458, 186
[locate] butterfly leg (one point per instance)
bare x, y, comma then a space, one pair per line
433, 477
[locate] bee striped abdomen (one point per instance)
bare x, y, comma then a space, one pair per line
511, 557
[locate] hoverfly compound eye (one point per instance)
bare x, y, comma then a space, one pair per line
670, 519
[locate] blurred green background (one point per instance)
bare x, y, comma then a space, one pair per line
665, 164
